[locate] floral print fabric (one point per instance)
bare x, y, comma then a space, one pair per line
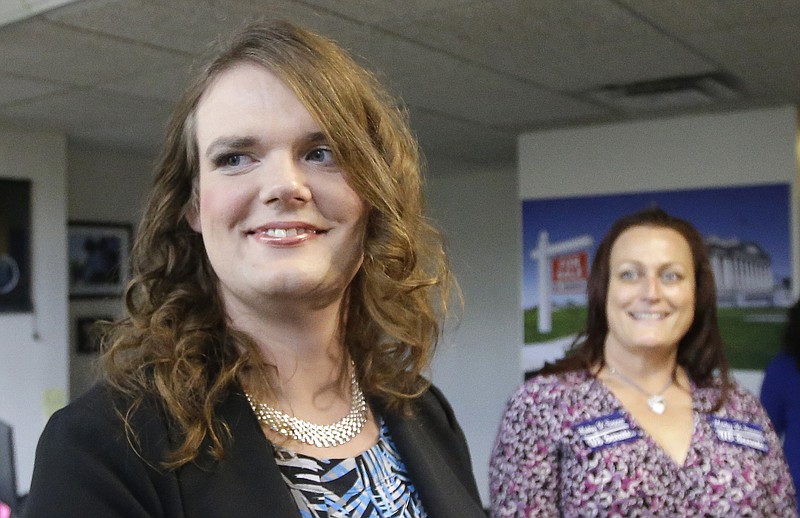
549, 460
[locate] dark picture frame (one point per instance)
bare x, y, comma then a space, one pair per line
88, 334
99, 258
15, 246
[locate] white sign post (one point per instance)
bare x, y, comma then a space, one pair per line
544, 252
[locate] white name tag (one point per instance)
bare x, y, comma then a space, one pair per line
740, 433
606, 431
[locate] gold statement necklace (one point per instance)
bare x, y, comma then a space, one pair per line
654, 401
319, 435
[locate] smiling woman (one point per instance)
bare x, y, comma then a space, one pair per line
280, 223
641, 418
287, 296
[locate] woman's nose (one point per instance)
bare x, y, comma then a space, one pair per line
652, 287
284, 181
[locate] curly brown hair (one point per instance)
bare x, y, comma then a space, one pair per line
176, 344
700, 351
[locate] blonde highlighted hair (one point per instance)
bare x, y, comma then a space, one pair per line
176, 345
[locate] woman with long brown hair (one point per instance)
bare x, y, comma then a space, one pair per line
641, 418
287, 298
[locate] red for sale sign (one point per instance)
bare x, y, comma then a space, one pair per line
570, 272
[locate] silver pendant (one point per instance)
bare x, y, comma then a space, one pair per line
656, 404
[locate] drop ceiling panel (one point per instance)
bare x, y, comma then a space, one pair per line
144, 137
460, 140
434, 80
14, 89
763, 55
626, 62
13, 10
166, 84
473, 72
681, 18
557, 44
43, 50
92, 109
171, 24
387, 12
182, 25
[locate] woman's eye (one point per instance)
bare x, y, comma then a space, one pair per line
629, 275
233, 160
320, 154
671, 276
230, 160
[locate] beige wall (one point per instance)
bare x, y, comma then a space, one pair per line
711, 150
33, 346
478, 364
103, 186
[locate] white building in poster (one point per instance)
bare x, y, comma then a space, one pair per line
742, 272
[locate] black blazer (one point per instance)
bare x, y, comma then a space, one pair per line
85, 466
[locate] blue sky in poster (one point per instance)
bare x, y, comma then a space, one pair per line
758, 213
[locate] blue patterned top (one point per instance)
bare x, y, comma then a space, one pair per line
374, 484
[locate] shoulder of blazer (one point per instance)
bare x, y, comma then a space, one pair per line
84, 450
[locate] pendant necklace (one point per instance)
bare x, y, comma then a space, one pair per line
654, 401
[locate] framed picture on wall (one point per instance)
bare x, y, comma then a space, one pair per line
15, 245
88, 333
98, 258
746, 230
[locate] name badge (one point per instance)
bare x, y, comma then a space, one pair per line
740, 433
606, 430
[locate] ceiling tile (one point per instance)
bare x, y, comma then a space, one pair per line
39, 49
183, 25
442, 136
166, 84
680, 18
15, 10
428, 78
474, 72
144, 137
14, 89
386, 11
79, 109
569, 45
171, 24
762, 55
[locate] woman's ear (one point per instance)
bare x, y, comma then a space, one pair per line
193, 219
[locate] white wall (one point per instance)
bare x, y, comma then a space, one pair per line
740, 148
477, 365
103, 186
33, 346
478, 209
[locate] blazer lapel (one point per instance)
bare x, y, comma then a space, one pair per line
246, 483
445, 484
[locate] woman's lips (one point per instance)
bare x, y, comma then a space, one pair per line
287, 232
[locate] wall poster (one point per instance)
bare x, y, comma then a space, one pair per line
98, 258
15, 245
746, 229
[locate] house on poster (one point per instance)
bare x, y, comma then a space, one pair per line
746, 229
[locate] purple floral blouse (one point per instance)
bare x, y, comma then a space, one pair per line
567, 447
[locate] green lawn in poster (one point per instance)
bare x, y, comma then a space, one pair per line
752, 336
